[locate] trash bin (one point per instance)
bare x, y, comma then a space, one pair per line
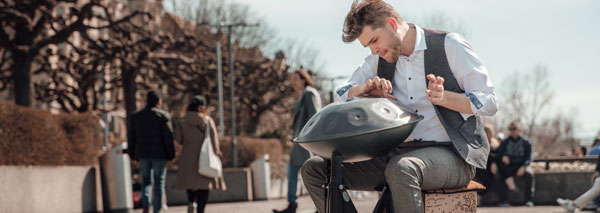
116, 180
261, 178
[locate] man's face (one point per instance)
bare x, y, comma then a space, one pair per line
297, 82
382, 42
514, 131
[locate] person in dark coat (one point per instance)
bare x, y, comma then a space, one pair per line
307, 105
151, 143
190, 132
514, 157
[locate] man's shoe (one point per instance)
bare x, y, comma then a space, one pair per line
567, 204
504, 204
529, 203
146, 210
290, 209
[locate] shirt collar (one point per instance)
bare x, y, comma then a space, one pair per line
420, 39
420, 44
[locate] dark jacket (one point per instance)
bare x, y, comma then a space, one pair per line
518, 150
150, 135
308, 104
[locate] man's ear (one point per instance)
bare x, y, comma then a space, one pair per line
392, 22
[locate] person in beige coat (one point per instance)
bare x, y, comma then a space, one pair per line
190, 132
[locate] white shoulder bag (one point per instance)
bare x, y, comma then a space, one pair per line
209, 163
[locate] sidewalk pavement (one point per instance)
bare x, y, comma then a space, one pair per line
365, 204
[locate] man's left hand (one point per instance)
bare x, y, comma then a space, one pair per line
521, 171
435, 89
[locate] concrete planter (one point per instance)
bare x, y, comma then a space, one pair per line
547, 187
238, 181
50, 189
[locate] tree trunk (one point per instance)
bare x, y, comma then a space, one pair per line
21, 72
129, 91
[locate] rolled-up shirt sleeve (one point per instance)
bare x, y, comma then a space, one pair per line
367, 70
472, 76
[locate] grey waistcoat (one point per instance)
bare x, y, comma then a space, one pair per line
468, 137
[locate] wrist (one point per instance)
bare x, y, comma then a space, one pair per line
355, 90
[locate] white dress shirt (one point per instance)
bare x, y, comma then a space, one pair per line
409, 83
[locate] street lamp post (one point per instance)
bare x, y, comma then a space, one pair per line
232, 92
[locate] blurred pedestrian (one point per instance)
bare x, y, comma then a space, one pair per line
514, 157
595, 150
307, 105
190, 132
582, 201
151, 143
486, 176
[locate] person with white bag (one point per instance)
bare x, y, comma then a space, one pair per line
194, 131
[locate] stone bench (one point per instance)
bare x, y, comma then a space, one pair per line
463, 199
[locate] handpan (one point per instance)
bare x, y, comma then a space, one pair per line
358, 129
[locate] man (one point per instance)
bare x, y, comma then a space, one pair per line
435, 74
306, 106
151, 143
514, 157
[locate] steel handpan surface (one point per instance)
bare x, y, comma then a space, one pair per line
359, 129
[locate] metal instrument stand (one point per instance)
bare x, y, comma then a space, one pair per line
337, 199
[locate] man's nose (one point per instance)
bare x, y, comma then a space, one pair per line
374, 50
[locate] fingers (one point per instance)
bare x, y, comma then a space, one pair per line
386, 95
389, 86
378, 83
435, 89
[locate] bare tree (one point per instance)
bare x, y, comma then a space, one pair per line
217, 11
27, 27
526, 97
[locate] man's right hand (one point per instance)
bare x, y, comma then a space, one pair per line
505, 160
379, 87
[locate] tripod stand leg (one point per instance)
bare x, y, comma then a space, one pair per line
338, 199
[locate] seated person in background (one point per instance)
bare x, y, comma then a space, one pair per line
585, 198
486, 176
514, 156
595, 150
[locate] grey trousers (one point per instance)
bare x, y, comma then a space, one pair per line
408, 171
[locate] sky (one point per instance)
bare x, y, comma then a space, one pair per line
509, 36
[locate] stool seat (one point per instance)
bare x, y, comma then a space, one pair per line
462, 199
472, 186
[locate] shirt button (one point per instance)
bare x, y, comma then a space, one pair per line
409, 78
410, 98
416, 110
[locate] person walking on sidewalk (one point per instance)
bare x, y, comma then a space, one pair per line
308, 104
151, 143
190, 132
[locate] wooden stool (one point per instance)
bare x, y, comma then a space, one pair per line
463, 199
